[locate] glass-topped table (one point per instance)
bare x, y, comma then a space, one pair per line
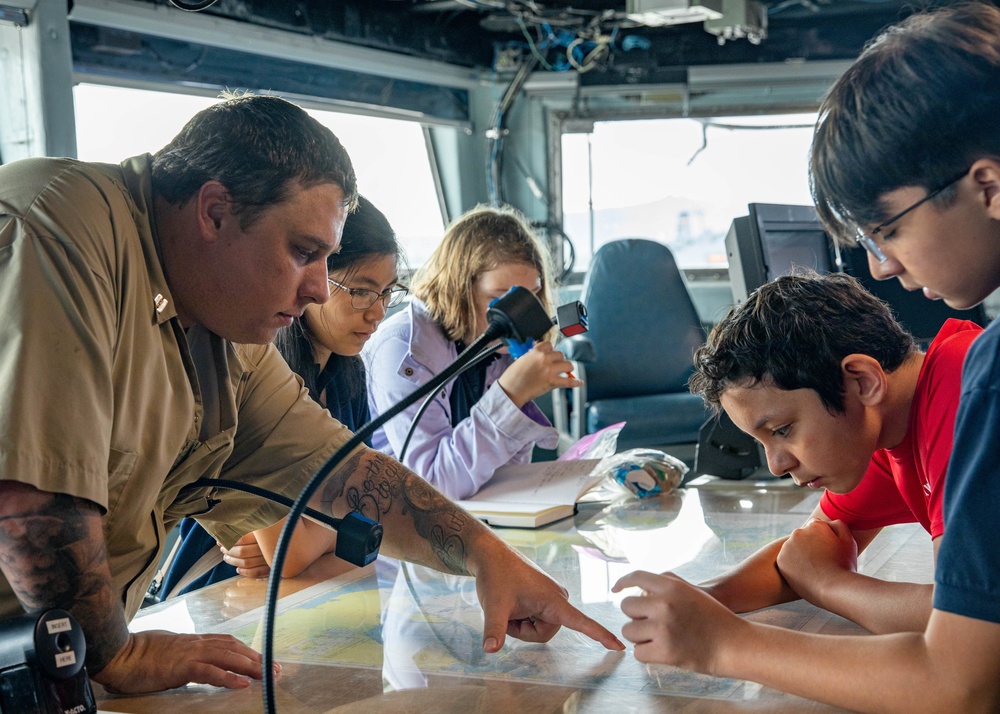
395, 637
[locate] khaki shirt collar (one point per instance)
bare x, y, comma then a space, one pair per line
139, 182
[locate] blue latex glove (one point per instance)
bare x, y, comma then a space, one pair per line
517, 349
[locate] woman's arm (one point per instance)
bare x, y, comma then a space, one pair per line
456, 460
309, 541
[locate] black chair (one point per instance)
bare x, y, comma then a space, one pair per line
643, 332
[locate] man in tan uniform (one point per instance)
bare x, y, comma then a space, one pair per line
138, 305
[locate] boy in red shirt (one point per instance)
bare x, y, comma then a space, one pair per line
817, 370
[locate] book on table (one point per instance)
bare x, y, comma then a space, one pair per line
533, 495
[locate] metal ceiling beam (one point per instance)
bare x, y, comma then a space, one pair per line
772, 73
212, 31
698, 91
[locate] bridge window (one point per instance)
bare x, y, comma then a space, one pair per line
679, 181
390, 155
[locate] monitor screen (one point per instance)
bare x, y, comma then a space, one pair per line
773, 240
785, 250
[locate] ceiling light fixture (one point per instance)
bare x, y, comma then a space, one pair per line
657, 13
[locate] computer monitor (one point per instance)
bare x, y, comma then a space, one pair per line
774, 239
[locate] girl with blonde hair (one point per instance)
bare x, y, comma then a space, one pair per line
486, 417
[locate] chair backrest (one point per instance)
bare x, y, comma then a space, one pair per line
643, 323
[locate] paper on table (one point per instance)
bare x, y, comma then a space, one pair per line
531, 495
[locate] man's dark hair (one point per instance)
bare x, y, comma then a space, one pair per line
793, 332
259, 148
919, 106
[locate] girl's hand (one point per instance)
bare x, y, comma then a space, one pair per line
537, 372
247, 557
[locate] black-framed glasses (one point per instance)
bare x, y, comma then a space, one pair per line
866, 240
362, 298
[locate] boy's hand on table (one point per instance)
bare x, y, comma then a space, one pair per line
816, 555
677, 623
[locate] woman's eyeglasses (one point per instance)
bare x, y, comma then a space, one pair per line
362, 298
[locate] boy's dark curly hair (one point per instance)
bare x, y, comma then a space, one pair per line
794, 332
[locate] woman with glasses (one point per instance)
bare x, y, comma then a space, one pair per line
323, 348
485, 418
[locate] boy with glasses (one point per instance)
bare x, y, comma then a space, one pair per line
917, 107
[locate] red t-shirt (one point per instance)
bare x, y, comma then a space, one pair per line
905, 484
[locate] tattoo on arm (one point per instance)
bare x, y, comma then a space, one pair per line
52, 553
386, 485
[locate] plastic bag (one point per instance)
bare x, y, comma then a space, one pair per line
595, 446
645, 472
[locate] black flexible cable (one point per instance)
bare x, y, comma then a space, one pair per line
263, 493
492, 333
430, 398
498, 128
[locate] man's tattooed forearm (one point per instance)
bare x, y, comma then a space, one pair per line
52, 554
387, 484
